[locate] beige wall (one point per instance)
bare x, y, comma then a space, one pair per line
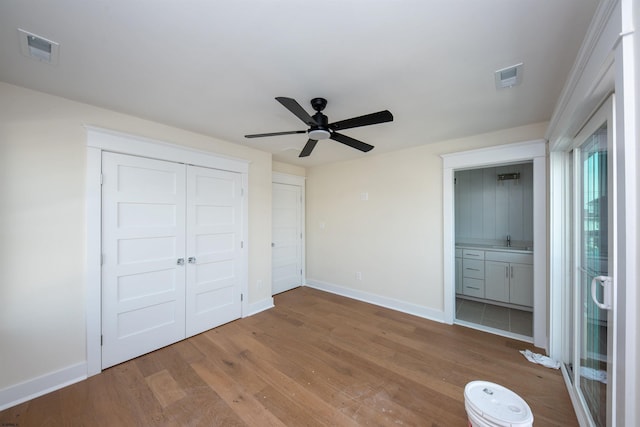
42, 173
289, 169
394, 239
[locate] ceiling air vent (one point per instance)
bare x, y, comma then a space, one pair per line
38, 48
508, 77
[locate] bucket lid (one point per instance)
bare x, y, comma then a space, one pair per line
497, 404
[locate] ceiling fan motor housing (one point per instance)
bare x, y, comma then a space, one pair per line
318, 104
321, 130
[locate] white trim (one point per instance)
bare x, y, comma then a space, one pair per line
52, 381
93, 251
118, 142
492, 156
258, 307
589, 80
499, 154
390, 303
244, 263
99, 140
285, 178
559, 251
583, 420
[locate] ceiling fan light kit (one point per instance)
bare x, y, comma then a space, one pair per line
320, 128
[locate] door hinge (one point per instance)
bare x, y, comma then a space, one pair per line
241, 244
241, 297
101, 179
101, 340
242, 192
101, 259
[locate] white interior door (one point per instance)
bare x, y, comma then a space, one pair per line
287, 237
143, 278
171, 253
213, 248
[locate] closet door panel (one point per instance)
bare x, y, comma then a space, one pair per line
214, 238
143, 229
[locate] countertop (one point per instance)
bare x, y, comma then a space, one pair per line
497, 248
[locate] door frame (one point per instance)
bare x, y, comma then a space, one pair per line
300, 181
99, 140
493, 156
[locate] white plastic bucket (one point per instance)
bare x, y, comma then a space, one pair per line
492, 405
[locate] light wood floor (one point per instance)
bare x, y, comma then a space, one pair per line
316, 359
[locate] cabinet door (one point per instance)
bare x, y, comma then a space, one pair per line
497, 280
521, 290
458, 275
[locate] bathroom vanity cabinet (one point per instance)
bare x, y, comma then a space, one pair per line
509, 277
504, 275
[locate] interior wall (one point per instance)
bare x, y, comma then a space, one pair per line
289, 169
487, 210
42, 235
375, 224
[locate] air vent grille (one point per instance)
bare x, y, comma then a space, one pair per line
509, 77
38, 48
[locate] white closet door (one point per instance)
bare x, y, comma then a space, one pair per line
143, 229
287, 237
213, 248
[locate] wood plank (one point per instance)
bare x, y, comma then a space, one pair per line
315, 359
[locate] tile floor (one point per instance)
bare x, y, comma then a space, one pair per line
493, 316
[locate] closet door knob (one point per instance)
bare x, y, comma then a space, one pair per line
180, 261
191, 260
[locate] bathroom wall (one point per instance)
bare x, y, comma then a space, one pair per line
488, 209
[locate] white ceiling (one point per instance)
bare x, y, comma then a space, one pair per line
215, 67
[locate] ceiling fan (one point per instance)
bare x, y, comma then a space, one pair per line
320, 128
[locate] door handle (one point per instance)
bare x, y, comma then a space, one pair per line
191, 260
180, 261
606, 282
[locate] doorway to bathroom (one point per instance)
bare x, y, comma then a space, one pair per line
529, 152
494, 249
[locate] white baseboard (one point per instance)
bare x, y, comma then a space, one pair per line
391, 303
258, 306
19, 393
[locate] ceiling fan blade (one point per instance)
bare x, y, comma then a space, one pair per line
293, 106
308, 148
260, 135
347, 140
366, 120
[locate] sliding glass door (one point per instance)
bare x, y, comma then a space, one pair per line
594, 267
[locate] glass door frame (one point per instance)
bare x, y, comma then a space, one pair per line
604, 114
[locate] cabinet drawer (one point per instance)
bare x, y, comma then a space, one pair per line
472, 254
473, 287
509, 257
473, 268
